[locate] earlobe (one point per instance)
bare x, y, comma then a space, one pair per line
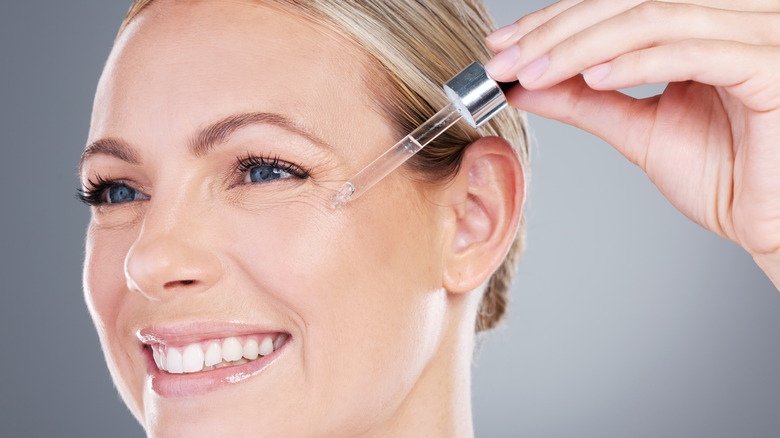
486, 198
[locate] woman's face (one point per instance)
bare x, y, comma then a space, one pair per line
219, 131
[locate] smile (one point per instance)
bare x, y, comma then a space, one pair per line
194, 358
213, 354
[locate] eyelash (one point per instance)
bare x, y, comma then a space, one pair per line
95, 190
246, 163
92, 194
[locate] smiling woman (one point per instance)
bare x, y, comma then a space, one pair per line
228, 294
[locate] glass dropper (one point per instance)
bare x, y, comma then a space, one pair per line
473, 96
396, 155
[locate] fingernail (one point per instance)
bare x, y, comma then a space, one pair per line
534, 70
596, 74
503, 62
502, 34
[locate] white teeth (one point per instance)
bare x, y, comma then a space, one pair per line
232, 349
230, 352
279, 341
213, 354
174, 361
156, 357
266, 347
251, 349
192, 358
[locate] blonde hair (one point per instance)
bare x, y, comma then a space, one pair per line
414, 47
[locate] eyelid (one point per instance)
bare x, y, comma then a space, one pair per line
92, 192
249, 160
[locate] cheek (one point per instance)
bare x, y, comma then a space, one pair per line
356, 261
106, 294
366, 282
104, 278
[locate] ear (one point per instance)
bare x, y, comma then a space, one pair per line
486, 198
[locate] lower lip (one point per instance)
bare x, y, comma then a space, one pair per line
181, 385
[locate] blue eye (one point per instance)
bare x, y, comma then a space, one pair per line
265, 169
117, 194
265, 173
99, 191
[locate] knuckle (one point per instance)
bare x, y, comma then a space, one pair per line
539, 37
695, 51
545, 13
545, 31
627, 4
637, 62
571, 45
652, 11
529, 23
695, 47
535, 19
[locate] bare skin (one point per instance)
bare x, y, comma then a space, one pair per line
710, 141
193, 240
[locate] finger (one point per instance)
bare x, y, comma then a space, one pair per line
528, 46
508, 35
738, 5
750, 73
579, 16
610, 115
647, 25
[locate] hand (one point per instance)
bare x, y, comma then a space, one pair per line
710, 142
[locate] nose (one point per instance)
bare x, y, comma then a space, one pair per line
165, 262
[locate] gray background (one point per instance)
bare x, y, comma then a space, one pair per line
627, 320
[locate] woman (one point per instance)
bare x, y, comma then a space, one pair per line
230, 297
219, 131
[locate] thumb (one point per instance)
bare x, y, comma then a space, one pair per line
610, 115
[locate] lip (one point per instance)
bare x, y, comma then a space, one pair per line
169, 385
188, 332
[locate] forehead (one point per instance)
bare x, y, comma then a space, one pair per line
187, 63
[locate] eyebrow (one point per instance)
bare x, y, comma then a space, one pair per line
206, 139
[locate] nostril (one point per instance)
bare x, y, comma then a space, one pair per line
162, 263
176, 283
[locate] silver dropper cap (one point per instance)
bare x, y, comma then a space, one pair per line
476, 95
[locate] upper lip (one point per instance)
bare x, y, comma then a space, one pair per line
181, 333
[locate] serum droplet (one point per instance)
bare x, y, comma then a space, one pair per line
343, 196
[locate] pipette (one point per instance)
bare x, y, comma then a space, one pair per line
474, 97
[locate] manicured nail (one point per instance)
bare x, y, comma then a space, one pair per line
503, 62
502, 34
534, 70
596, 74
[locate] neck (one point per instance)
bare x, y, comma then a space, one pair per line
439, 405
